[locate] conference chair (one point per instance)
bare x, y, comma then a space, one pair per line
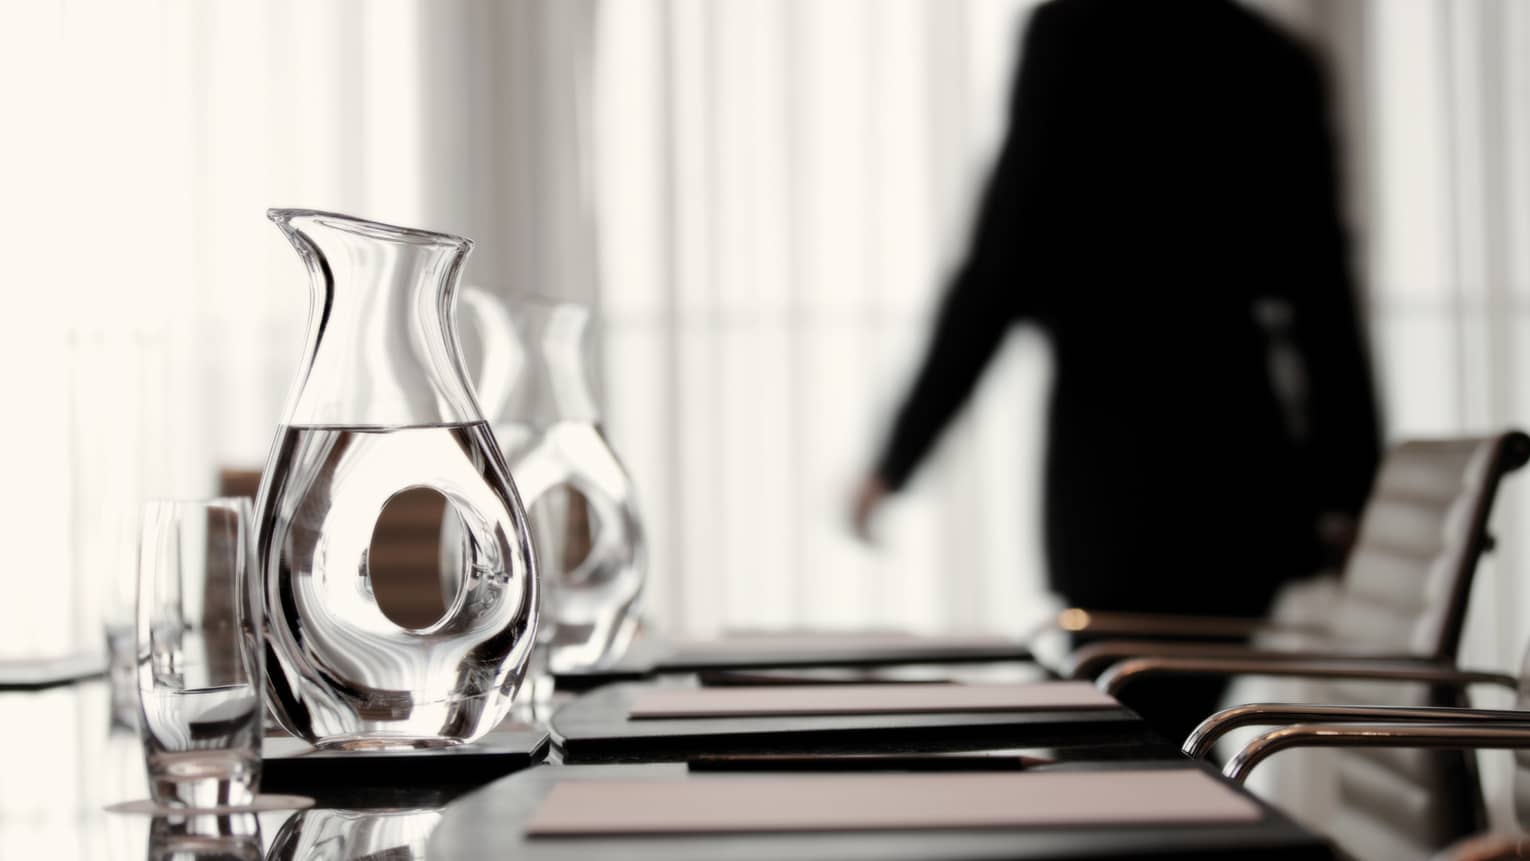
1387, 817
1402, 593
1391, 639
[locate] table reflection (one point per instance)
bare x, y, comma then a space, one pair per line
342, 835
205, 837
67, 761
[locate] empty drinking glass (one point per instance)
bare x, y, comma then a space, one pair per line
200, 665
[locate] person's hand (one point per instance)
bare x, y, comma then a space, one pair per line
868, 498
1336, 535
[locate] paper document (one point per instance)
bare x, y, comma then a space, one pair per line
860, 802
864, 699
790, 644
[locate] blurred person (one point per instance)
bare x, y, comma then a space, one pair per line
1165, 209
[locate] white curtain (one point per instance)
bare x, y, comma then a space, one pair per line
781, 186
156, 318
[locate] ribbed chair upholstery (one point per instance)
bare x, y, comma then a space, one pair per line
1401, 604
1406, 588
1407, 581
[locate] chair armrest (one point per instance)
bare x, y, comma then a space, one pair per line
1487, 846
1465, 735
1427, 672
1089, 661
1111, 623
1204, 738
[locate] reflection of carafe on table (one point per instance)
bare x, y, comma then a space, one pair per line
230, 837
383, 834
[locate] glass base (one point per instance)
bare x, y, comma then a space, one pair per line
203, 779
375, 743
122, 675
223, 837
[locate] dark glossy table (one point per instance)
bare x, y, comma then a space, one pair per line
595, 727
657, 656
66, 763
489, 823
412, 777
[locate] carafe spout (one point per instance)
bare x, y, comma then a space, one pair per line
381, 347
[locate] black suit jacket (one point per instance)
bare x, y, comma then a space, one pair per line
1165, 198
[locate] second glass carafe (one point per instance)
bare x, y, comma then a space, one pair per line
590, 544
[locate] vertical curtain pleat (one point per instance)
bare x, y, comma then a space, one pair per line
156, 318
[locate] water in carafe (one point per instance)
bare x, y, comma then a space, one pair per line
444, 679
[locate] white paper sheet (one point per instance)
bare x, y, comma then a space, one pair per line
796, 643
803, 700
859, 802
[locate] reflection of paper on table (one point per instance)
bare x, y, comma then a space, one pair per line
862, 699
860, 802
795, 643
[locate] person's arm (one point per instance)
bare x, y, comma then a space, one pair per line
982, 300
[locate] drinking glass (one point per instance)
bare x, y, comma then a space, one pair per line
119, 598
201, 661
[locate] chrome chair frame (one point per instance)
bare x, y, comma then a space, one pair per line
1465, 735
1417, 727
1121, 674
1488, 846
1428, 669
1095, 661
1205, 737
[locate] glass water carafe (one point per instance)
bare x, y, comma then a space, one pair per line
589, 537
382, 406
